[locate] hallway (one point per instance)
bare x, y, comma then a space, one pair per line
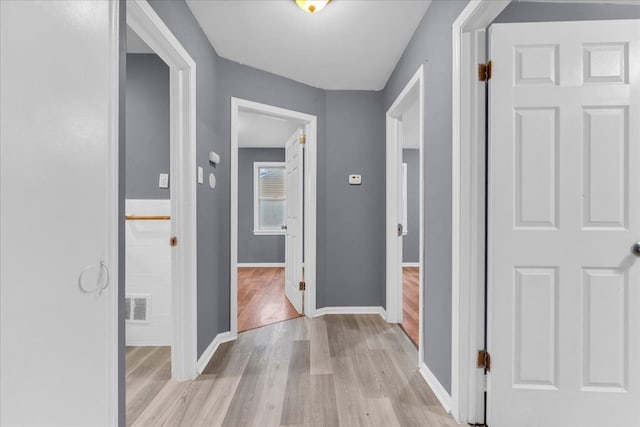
335, 370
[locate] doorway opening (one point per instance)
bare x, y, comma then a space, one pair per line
405, 216
148, 316
158, 295
273, 211
267, 193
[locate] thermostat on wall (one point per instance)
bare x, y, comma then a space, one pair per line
355, 179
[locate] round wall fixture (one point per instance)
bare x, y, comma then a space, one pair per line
212, 180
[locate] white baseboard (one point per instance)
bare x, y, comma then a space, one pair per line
221, 338
441, 393
411, 264
351, 310
261, 264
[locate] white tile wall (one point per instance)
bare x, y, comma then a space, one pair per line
148, 270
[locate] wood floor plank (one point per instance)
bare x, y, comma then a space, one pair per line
323, 406
320, 358
158, 410
410, 302
148, 370
296, 401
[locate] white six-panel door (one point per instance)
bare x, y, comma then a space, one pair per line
564, 212
58, 138
294, 230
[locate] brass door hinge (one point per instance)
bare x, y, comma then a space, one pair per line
302, 286
485, 71
303, 139
484, 360
173, 241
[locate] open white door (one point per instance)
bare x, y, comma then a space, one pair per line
564, 214
58, 213
294, 225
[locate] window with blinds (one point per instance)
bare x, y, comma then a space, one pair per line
269, 197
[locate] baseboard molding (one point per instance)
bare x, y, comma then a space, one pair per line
261, 264
221, 338
441, 393
351, 310
411, 264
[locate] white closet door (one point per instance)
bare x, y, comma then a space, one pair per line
564, 210
58, 348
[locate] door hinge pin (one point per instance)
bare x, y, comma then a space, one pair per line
485, 71
484, 360
173, 241
302, 286
302, 138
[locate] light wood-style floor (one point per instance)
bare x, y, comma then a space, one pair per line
148, 370
410, 301
261, 297
335, 370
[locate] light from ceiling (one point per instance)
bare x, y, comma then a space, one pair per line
312, 6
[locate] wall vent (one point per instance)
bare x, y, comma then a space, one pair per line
137, 308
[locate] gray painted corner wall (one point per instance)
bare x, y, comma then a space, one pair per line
411, 241
255, 248
520, 11
213, 205
431, 46
147, 126
352, 239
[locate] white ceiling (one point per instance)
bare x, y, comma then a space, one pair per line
135, 43
262, 131
350, 44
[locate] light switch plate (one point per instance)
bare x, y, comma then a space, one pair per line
355, 179
163, 181
200, 175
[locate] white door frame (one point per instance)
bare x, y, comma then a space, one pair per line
393, 214
468, 205
149, 26
310, 201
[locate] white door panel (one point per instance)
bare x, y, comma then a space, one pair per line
294, 230
564, 212
56, 348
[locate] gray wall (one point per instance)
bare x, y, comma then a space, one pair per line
147, 126
411, 241
431, 45
352, 218
542, 12
252, 248
213, 205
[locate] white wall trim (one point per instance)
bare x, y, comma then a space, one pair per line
211, 349
393, 214
260, 264
113, 204
309, 122
351, 310
441, 393
152, 30
411, 264
468, 190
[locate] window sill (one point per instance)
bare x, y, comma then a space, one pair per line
269, 232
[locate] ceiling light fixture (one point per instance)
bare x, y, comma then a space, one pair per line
312, 6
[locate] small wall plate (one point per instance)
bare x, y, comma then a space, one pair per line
212, 180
